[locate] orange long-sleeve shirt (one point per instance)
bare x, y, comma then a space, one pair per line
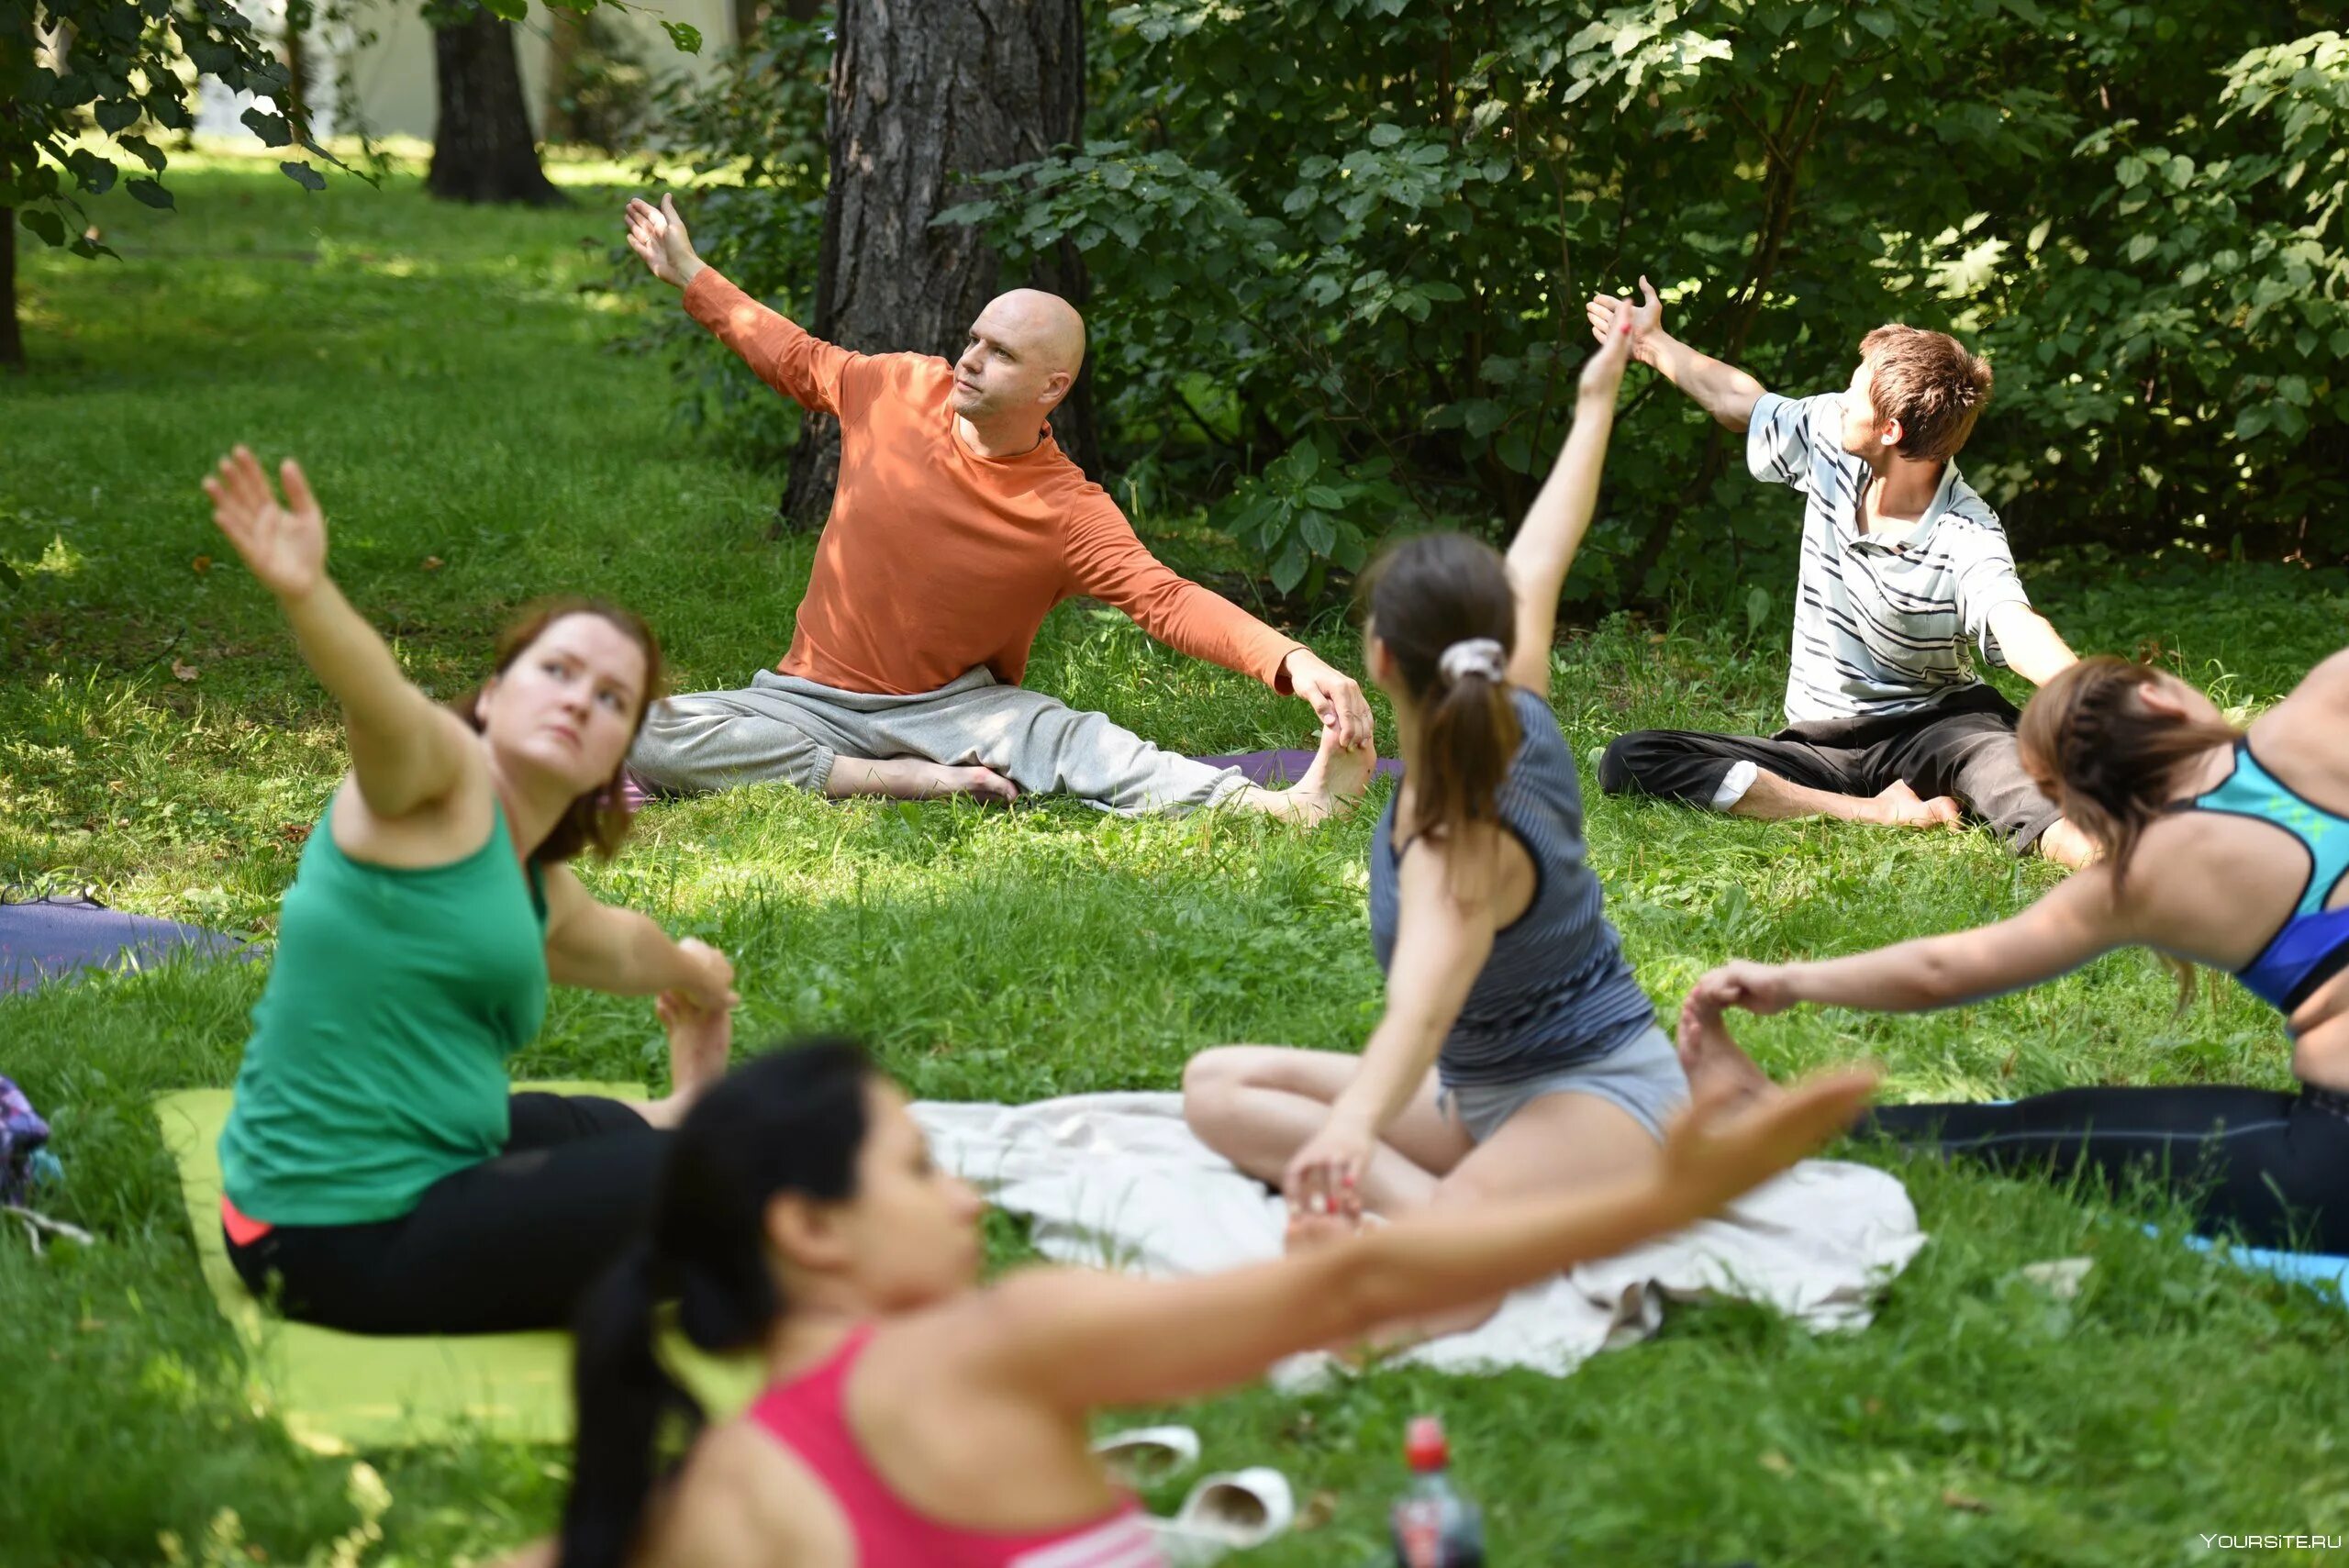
936, 560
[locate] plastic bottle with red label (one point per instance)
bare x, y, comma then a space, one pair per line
1433, 1525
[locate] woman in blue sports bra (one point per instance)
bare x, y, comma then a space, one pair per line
2218, 847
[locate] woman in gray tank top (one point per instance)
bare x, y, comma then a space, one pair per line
1515, 1055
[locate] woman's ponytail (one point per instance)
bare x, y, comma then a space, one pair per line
624, 1397
791, 1121
1441, 605
1470, 733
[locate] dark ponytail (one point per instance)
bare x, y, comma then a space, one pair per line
791, 1121
1444, 593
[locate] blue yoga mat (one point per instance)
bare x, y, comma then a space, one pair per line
49, 939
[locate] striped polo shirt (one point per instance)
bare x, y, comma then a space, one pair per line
1882, 620
1556, 990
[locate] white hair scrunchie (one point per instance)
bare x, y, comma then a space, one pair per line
1473, 655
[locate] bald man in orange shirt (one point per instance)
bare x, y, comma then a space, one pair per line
956, 524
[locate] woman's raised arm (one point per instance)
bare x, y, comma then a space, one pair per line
1554, 525
405, 750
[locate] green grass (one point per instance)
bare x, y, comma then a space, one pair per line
444, 376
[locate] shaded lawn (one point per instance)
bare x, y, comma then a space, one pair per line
445, 376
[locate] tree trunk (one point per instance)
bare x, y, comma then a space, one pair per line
12, 337
482, 146
922, 97
566, 34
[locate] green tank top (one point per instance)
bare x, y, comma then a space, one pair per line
377, 1061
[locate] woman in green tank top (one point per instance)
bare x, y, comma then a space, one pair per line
379, 1174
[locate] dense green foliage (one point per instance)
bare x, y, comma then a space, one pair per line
1341, 250
445, 379
121, 77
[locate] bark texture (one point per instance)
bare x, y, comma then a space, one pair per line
924, 95
12, 336
481, 146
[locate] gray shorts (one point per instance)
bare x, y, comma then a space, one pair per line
1643, 1077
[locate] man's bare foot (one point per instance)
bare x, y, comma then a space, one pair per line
1711, 1058
917, 778
2068, 847
1898, 805
1332, 785
983, 785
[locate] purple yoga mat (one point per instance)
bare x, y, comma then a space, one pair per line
1270, 769
47, 939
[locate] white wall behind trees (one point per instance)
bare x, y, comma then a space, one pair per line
386, 49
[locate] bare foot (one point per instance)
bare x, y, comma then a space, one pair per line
1711, 1058
1334, 781
917, 778
1898, 805
982, 784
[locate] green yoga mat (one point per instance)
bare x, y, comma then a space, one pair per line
338, 1392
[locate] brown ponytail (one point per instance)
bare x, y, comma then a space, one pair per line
2105, 757
599, 820
1425, 595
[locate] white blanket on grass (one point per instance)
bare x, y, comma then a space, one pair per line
1117, 1180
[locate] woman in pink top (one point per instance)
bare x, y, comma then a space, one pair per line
917, 1419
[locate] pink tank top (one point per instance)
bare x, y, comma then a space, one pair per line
808, 1416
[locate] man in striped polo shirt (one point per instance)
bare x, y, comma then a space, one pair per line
1903, 566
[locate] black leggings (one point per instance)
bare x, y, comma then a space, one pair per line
2273, 1168
509, 1243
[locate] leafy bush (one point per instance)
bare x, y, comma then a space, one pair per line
1341, 251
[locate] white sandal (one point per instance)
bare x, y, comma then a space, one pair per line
1145, 1456
1230, 1512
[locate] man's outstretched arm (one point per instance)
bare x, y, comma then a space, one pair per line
1722, 389
1108, 561
784, 355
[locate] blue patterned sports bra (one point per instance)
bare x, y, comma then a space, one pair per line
2312, 945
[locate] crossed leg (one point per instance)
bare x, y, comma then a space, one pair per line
1257, 1106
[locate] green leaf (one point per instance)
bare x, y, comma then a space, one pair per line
1385, 133
46, 224
149, 194
302, 175
686, 37
272, 129
114, 115
1323, 496
94, 173
2140, 247
1757, 609
1319, 535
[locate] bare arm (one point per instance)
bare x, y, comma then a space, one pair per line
1076, 1341
1545, 548
2076, 921
407, 751
1444, 934
623, 954
1722, 391
2032, 647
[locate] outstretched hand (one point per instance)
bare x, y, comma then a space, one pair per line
283, 544
1728, 1142
1602, 373
1759, 988
658, 237
1336, 698
1606, 311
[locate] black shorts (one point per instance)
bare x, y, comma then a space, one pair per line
1963, 747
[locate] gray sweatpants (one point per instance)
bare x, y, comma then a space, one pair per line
785, 728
